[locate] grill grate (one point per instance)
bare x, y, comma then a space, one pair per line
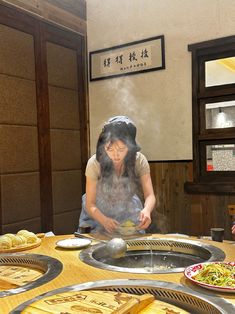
51, 268
153, 255
155, 244
178, 295
24, 261
187, 302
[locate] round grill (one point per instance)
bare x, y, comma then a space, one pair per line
178, 295
153, 256
50, 267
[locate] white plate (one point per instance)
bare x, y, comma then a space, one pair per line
73, 243
193, 270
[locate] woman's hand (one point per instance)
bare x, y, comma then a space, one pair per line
149, 201
110, 224
145, 220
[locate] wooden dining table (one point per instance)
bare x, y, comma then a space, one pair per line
76, 272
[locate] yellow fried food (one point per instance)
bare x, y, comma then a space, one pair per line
29, 236
22, 232
128, 223
5, 242
20, 240
127, 228
23, 237
13, 238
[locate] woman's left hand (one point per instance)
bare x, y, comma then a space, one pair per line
145, 220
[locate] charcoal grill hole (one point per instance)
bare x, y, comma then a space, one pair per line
143, 259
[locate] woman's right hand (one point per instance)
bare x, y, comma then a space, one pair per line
110, 224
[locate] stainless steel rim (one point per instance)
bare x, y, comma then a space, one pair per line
207, 252
49, 265
178, 295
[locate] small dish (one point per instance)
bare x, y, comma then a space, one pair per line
73, 243
193, 270
127, 227
126, 230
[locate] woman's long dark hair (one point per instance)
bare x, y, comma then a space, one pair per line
125, 131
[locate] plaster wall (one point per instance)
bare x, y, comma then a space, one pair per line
159, 102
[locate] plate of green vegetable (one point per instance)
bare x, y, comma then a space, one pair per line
218, 276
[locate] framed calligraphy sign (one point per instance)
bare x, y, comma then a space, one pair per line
131, 58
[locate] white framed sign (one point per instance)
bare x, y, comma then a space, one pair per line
131, 58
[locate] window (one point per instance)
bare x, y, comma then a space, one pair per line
213, 109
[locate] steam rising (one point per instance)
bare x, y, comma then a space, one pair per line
124, 102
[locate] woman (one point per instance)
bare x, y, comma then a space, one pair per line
114, 178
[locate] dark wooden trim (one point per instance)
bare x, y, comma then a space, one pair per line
214, 43
201, 95
43, 131
214, 51
219, 134
83, 109
195, 114
218, 90
168, 161
61, 36
210, 188
16, 18
1, 211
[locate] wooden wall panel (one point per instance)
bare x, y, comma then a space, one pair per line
196, 219
25, 203
62, 66
19, 149
180, 212
168, 180
19, 162
64, 108
67, 192
17, 101
65, 222
64, 89
65, 149
26, 171
33, 224
17, 57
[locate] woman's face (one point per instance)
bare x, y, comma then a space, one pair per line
116, 151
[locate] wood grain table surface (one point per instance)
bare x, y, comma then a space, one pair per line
76, 272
